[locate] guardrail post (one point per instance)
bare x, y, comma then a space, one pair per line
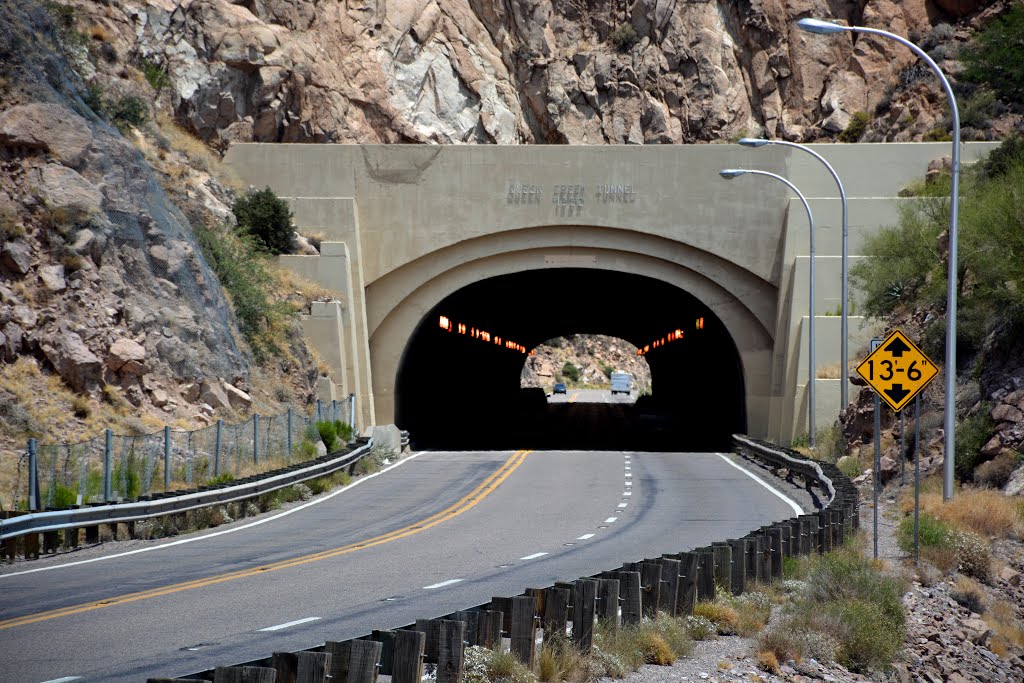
289, 431
301, 667
583, 608
408, 666
218, 446
722, 553
738, 564
556, 612
354, 661
255, 438
33, 477
524, 628
108, 454
489, 633
167, 458
669, 585
451, 651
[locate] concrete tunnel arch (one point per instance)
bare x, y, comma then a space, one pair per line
700, 281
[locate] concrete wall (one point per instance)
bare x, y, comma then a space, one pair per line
416, 223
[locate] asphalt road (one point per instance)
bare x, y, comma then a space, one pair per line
591, 396
440, 532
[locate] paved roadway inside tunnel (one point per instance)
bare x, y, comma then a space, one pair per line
441, 532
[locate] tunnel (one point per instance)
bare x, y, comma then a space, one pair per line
458, 383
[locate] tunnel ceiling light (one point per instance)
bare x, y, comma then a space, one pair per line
445, 323
672, 336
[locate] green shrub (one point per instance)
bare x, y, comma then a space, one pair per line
870, 639
979, 109
129, 111
855, 128
973, 555
127, 477
971, 434
155, 75
571, 372
932, 533
996, 56
624, 37
1004, 157
63, 496
222, 478
267, 217
328, 432
344, 431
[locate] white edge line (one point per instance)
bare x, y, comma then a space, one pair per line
610, 520
66, 679
441, 585
315, 501
584, 537
789, 501
290, 623
533, 557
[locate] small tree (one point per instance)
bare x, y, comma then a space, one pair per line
267, 217
996, 56
571, 372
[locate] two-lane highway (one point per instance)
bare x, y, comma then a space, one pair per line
440, 532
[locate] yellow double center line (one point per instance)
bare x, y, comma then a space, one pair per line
465, 503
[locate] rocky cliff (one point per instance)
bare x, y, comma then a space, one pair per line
542, 71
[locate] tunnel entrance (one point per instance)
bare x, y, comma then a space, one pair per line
458, 385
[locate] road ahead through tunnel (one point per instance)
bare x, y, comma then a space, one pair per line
458, 384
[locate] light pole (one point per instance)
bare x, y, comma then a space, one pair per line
949, 425
729, 174
844, 372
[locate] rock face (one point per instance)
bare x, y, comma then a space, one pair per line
547, 71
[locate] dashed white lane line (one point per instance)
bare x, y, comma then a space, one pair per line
66, 679
533, 557
629, 483
627, 468
622, 505
610, 520
789, 501
627, 493
584, 537
442, 584
290, 623
215, 534
628, 475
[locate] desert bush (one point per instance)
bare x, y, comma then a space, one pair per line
869, 639
1004, 157
127, 111
725, 618
854, 130
624, 37
996, 472
571, 372
973, 555
328, 432
971, 434
996, 56
700, 628
968, 593
268, 218
559, 660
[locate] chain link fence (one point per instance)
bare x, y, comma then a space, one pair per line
113, 467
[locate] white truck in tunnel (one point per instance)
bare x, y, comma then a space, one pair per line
622, 382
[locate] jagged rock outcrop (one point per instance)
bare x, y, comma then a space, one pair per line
545, 71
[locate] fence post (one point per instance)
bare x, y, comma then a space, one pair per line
352, 412
217, 448
33, 476
167, 457
289, 431
334, 410
108, 454
255, 438
319, 408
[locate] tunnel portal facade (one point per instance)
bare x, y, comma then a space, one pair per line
532, 242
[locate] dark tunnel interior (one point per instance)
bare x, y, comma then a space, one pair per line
456, 390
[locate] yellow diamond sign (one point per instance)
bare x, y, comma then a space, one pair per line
897, 370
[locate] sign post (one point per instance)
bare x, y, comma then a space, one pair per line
898, 371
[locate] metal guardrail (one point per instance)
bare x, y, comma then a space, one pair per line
163, 504
809, 469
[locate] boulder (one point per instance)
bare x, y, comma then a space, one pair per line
159, 397
1006, 413
16, 257
1010, 576
889, 469
992, 447
1015, 485
387, 436
213, 395
64, 190
238, 399
77, 365
52, 278
126, 356
49, 127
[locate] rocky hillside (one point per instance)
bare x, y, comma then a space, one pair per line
593, 356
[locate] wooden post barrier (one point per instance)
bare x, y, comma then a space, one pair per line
489, 628
354, 661
722, 553
451, 651
765, 557
775, 534
669, 598
503, 605
408, 665
608, 602
524, 630
301, 667
244, 674
738, 576
556, 612
796, 544
431, 628
471, 618
631, 594
584, 607
177, 680
824, 531
571, 587
753, 564
650, 584
688, 571
387, 651
706, 574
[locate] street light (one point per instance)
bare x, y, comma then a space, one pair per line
729, 174
949, 426
844, 372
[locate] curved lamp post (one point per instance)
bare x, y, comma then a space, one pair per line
844, 372
949, 425
729, 174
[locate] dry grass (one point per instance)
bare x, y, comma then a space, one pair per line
196, 150
1009, 632
100, 33
560, 661
767, 661
829, 371
725, 617
984, 511
290, 282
